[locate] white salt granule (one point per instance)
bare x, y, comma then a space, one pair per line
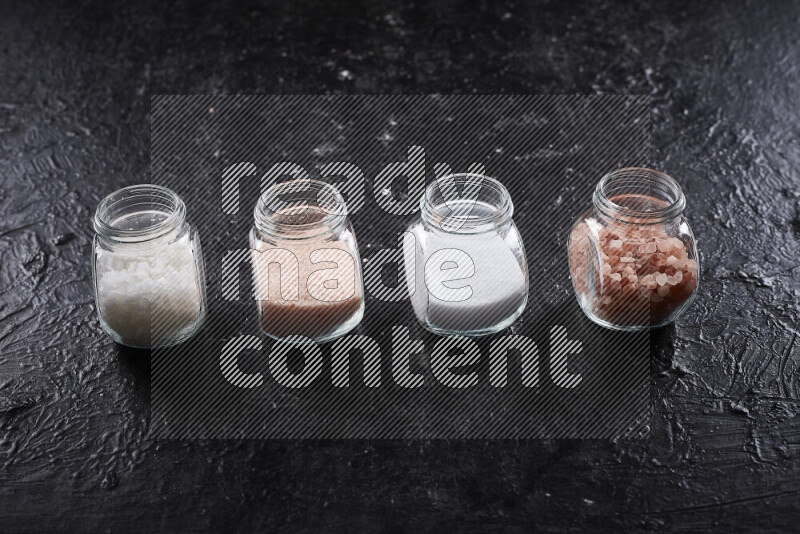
150, 295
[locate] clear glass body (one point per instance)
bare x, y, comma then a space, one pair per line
306, 267
147, 268
465, 263
632, 255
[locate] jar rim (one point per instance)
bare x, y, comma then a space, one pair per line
119, 206
664, 197
438, 210
275, 215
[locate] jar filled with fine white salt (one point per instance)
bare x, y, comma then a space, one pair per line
465, 264
147, 268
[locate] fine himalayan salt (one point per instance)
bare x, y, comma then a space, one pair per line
643, 277
149, 294
316, 289
498, 284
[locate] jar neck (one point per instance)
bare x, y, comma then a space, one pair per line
140, 214
299, 209
466, 203
641, 196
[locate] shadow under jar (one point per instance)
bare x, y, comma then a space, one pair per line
632, 255
147, 268
306, 266
465, 264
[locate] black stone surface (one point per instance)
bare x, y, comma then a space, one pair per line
724, 445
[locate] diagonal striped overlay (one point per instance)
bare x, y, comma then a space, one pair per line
551, 374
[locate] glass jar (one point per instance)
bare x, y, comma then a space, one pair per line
147, 268
315, 288
632, 255
465, 264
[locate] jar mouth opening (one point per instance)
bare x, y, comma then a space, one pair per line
638, 195
299, 209
139, 213
466, 203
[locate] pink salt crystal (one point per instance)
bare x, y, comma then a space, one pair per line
661, 279
675, 279
616, 243
613, 260
658, 259
627, 259
663, 245
632, 279
628, 271
616, 276
650, 248
663, 291
672, 261
652, 284
606, 269
647, 278
647, 268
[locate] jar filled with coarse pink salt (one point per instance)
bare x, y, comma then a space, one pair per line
306, 266
632, 255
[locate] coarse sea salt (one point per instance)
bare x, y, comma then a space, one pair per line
149, 294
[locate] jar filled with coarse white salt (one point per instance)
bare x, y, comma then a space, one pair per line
465, 264
147, 268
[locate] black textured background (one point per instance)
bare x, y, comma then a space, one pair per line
723, 451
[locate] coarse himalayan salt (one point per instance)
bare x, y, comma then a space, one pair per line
147, 293
325, 293
642, 270
498, 283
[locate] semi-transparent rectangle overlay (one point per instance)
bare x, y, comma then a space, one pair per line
552, 374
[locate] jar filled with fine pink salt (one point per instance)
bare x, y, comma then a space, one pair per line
632, 255
306, 266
